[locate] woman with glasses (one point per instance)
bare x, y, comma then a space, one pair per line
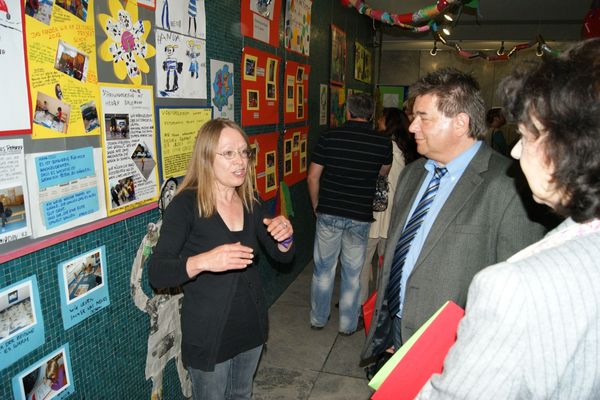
208, 242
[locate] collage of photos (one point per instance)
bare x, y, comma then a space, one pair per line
46, 379
83, 276
51, 113
17, 311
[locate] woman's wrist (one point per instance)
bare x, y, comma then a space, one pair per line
287, 242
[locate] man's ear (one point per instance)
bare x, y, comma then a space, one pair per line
461, 124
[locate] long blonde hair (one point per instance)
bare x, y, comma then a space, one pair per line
200, 175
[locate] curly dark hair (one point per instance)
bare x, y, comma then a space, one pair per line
563, 94
396, 127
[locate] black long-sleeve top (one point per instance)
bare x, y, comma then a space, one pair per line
223, 314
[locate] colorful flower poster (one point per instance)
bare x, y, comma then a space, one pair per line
187, 17
222, 98
297, 26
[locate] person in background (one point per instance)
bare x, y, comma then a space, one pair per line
532, 323
210, 235
455, 212
393, 123
341, 184
495, 119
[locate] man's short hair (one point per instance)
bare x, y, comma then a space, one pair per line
360, 105
456, 92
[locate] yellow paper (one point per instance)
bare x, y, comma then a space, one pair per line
178, 129
62, 73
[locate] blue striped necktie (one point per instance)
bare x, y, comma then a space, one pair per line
408, 234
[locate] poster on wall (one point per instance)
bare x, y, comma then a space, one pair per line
265, 162
294, 155
14, 198
178, 130
187, 17
83, 286
15, 109
338, 56
296, 92
323, 104
49, 378
297, 26
125, 47
130, 169
65, 189
62, 60
21, 320
260, 87
392, 96
337, 113
180, 66
149, 4
260, 20
362, 63
221, 82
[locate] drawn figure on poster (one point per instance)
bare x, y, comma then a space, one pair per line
192, 11
164, 340
164, 16
126, 45
173, 68
223, 87
193, 52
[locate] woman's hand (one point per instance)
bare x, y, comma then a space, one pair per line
222, 258
281, 230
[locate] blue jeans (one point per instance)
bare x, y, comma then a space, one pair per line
347, 239
231, 379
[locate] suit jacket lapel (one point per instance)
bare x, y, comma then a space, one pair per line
464, 189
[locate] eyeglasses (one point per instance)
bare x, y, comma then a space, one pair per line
230, 154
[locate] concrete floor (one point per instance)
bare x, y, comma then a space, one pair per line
303, 364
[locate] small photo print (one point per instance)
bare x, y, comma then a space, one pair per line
290, 92
271, 92
71, 61
89, 113
46, 379
250, 68
12, 209
287, 146
76, 7
300, 75
40, 10
82, 276
271, 67
17, 310
142, 157
122, 191
116, 126
51, 113
302, 163
296, 141
252, 100
270, 159
287, 167
270, 182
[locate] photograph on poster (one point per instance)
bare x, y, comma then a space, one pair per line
71, 61
76, 7
271, 92
46, 379
17, 311
250, 67
122, 191
290, 91
83, 276
40, 10
263, 8
287, 167
252, 100
270, 182
302, 163
300, 102
254, 153
271, 65
296, 141
89, 114
287, 147
142, 157
51, 113
270, 159
338, 56
12, 209
116, 126
300, 75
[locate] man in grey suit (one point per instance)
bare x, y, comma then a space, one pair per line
455, 212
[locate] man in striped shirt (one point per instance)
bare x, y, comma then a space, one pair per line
341, 183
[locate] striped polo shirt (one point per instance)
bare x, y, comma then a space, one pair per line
351, 156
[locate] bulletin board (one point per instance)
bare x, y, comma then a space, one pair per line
265, 162
296, 92
260, 87
260, 20
294, 155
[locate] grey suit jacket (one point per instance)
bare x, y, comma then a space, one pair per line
531, 329
484, 221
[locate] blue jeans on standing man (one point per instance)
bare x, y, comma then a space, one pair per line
231, 380
347, 239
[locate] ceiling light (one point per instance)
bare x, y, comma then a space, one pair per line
448, 17
446, 31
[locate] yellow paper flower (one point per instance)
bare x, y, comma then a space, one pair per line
126, 44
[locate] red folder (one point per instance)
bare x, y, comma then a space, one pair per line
424, 356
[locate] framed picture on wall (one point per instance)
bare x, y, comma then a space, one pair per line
337, 74
250, 63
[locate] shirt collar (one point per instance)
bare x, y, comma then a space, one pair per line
458, 164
